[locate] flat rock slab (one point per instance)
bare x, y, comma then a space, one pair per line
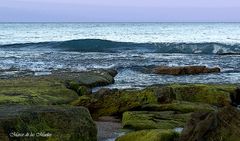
35, 90
140, 120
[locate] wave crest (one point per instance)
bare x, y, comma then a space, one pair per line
98, 45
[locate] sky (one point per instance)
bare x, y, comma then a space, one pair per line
119, 10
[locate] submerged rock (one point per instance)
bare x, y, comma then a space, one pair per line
223, 125
186, 70
46, 123
150, 135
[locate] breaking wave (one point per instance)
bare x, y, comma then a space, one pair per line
97, 45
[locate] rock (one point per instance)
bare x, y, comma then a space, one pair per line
96, 78
179, 106
104, 92
140, 120
150, 135
108, 102
85, 100
223, 125
218, 95
56, 122
229, 53
205, 121
162, 116
235, 97
186, 70
89, 79
164, 94
112, 72
83, 90
35, 91
116, 102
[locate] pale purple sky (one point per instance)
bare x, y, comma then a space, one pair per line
119, 11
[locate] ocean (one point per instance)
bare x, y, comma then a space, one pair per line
41, 48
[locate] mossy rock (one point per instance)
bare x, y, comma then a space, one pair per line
83, 90
35, 90
139, 120
179, 106
223, 125
60, 122
85, 100
218, 95
150, 135
90, 79
117, 102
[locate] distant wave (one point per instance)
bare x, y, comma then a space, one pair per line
97, 45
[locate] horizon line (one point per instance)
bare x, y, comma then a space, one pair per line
119, 22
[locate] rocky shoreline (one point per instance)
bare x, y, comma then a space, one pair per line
64, 105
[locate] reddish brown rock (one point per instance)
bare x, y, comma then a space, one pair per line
185, 70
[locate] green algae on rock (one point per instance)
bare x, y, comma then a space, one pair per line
91, 79
215, 94
178, 106
112, 102
57, 88
158, 107
150, 135
83, 82
35, 90
139, 120
163, 116
60, 122
117, 102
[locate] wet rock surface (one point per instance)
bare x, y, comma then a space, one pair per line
185, 70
